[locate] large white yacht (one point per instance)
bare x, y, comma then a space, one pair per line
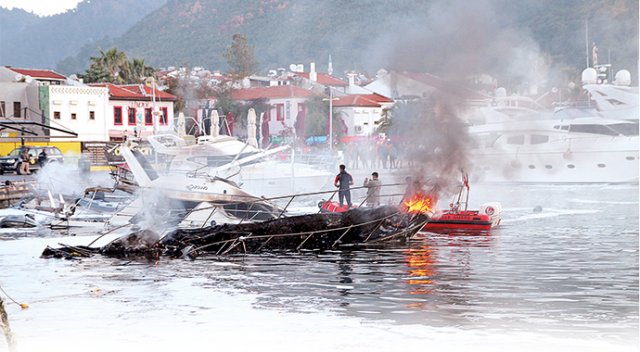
513, 143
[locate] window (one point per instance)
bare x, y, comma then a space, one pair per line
73, 115
594, 129
164, 117
56, 115
17, 109
148, 117
2, 107
279, 112
516, 139
117, 115
92, 115
539, 139
131, 120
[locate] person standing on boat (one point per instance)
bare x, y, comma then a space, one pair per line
373, 190
343, 181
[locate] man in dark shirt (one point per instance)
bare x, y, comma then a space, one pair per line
343, 181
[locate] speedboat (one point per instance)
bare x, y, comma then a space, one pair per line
263, 172
189, 190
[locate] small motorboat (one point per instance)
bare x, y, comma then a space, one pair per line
459, 218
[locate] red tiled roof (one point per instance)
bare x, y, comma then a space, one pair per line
377, 98
134, 92
46, 74
360, 100
275, 92
325, 79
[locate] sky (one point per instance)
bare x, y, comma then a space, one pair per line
41, 7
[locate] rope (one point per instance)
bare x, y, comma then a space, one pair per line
22, 305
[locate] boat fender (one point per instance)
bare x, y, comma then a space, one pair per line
489, 211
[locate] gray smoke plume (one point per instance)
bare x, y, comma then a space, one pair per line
453, 40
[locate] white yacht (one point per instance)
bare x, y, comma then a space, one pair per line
570, 145
257, 171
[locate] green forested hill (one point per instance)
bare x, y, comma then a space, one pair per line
502, 37
512, 40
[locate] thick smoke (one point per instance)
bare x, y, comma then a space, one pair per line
454, 40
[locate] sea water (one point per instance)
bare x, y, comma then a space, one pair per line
559, 274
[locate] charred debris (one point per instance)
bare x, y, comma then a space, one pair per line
354, 229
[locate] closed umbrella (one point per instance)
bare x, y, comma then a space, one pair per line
299, 124
230, 123
251, 128
265, 128
215, 124
182, 128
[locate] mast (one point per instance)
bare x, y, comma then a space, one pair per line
586, 42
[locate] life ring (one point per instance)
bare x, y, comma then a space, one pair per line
489, 210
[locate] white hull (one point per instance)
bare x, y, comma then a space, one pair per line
568, 160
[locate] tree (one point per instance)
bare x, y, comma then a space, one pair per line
240, 57
113, 66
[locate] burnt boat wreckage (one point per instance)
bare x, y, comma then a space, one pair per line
355, 229
237, 222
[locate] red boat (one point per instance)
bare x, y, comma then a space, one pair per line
332, 207
465, 220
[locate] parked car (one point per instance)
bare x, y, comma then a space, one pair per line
11, 162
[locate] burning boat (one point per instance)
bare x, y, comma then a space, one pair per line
353, 229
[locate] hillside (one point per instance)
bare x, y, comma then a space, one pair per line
510, 39
27, 40
522, 40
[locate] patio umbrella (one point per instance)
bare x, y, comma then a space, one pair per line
265, 128
251, 128
182, 128
299, 124
230, 123
215, 124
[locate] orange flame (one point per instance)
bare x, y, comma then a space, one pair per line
419, 203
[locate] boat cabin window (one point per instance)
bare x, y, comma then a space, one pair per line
625, 129
519, 139
539, 139
593, 129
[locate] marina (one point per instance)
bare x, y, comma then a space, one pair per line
288, 175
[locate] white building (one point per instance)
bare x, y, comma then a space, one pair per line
130, 111
361, 113
286, 103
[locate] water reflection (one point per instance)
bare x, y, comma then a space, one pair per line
422, 272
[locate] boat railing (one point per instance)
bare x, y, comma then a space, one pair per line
391, 195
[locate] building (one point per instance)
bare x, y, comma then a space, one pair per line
417, 85
361, 113
26, 94
130, 111
285, 104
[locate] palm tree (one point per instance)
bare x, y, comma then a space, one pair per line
114, 61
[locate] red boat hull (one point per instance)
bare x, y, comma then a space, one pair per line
464, 220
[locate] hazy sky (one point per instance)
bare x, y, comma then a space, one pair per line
41, 7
